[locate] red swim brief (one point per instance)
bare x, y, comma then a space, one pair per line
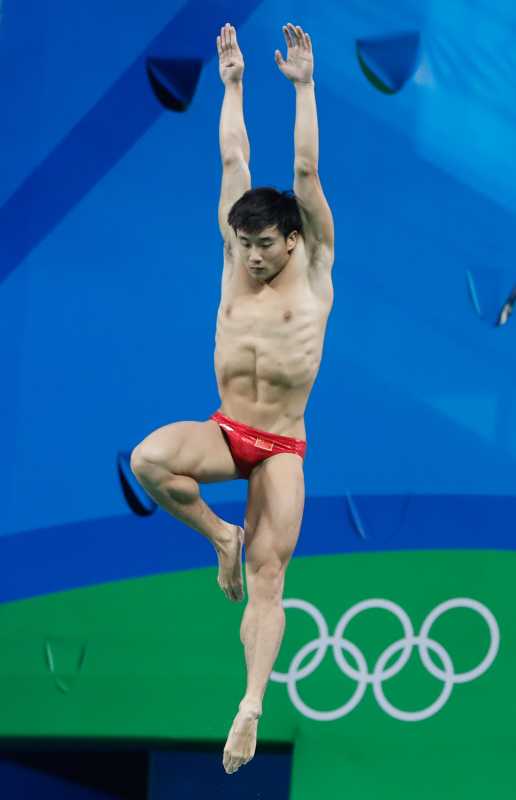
249, 446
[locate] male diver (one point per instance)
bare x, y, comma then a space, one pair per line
276, 296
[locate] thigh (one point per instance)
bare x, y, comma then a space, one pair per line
196, 449
275, 504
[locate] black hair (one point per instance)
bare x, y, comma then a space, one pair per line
264, 207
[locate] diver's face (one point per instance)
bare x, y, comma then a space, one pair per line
265, 254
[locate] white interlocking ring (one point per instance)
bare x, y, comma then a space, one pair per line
379, 674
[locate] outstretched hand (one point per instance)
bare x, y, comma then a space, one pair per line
299, 65
231, 60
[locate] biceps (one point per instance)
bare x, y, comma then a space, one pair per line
236, 179
315, 211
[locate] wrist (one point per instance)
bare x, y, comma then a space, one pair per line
232, 84
302, 84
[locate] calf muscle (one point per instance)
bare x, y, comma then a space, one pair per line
180, 496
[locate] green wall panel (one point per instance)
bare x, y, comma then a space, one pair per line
159, 658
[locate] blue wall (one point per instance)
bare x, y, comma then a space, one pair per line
108, 320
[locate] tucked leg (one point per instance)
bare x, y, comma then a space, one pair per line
170, 463
273, 520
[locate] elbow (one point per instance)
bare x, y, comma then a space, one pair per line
230, 158
305, 166
233, 155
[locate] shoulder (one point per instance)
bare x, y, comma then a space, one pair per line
229, 249
320, 255
228, 269
319, 258
314, 210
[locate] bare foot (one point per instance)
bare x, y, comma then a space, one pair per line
241, 743
229, 553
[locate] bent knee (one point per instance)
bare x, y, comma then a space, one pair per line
137, 461
144, 460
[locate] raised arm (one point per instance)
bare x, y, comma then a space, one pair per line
298, 68
234, 142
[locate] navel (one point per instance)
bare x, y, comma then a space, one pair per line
287, 315
228, 311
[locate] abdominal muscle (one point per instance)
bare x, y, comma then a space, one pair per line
269, 342
249, 401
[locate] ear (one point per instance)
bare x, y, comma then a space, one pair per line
292, 238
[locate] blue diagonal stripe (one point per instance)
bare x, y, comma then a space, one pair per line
106, 132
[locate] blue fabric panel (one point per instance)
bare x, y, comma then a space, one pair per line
393, 59
118, 548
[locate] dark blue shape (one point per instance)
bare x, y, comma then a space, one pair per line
78, 769
196, 773
20, 781
136, 497
118, 548
388, 62
174, 80
108, 131
506, 310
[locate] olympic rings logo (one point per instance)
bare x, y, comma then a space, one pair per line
379, 673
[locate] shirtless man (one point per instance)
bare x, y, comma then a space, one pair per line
276, 298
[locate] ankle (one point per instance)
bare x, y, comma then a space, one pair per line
250, 706
225, 536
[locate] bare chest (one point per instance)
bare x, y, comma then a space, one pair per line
270, 316
275, 334
300, 296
